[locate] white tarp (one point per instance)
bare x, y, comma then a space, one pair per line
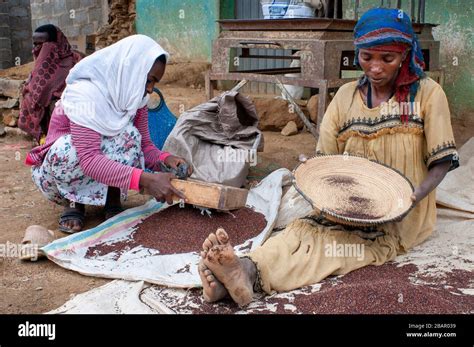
143, 264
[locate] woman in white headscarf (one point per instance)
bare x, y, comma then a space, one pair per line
98, 143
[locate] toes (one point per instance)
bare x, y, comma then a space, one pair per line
213, 239
201, 266
203, 254
222, 236
207, 244
210, 278
207, 272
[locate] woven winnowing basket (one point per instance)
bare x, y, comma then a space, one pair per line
353, 190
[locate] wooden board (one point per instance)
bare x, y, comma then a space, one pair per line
211, 195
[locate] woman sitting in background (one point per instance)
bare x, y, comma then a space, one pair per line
53, 60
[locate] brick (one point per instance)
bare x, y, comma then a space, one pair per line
88, 3
4, 18
59, 7
50, 20
39, 22
18, 11
72, 31
5, 43
87, 29
4, 7
4, 31
6, 54
10, 88
47, 9
14, 2
73, 5
95, 15
21, 35
15, 22
5, 64
36, 10
65, 20
80, 17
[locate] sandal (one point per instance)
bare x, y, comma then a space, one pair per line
69, 215
112, 211
36, 237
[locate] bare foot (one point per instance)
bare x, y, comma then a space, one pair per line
234, 273
213, 290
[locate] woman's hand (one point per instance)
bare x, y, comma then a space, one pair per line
432, 180
417, 195
174, 161
159, 185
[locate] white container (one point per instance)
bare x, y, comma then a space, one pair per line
300, 11
286, 9
275, 9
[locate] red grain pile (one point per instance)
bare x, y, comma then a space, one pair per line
183, 230
382, 289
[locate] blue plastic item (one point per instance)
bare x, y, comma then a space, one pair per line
275, 10
160, 122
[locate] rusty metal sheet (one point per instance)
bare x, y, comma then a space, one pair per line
299, 24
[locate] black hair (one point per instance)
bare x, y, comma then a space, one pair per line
50, 29
162, 59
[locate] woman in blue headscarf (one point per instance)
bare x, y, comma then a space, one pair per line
394, 115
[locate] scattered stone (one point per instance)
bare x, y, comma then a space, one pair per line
16, 132
10, 88
10, 117
39, 288
290, 129
9, 103
275, 113
2, 130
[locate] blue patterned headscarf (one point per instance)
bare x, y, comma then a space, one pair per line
386, 29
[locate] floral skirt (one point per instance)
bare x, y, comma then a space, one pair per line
61, 179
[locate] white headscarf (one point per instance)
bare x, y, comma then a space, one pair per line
104, 90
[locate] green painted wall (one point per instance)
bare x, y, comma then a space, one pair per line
227, 9
455, 33
186, 28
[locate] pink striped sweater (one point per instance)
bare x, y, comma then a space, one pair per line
91, 159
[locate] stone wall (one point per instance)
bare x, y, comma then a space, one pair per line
15, 33
121, 23
5, 39
20, 30
74, 17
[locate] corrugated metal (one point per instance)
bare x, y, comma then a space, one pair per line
252, 9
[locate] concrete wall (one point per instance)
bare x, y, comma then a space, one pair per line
185, 28
74, 17
15, 33
5, 39
455, 33
20, 29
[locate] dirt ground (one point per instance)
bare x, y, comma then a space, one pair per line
37, 287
